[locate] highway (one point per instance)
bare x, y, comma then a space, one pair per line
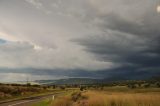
29, 101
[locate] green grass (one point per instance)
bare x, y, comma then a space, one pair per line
50, 102
45, 102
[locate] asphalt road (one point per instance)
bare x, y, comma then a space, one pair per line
29, 101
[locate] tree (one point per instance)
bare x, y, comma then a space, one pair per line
28, 84
54, 86
158, 85
147, 85
81, 88
63, 87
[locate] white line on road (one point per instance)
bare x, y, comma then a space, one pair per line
21, 103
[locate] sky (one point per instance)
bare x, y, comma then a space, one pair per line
53, 39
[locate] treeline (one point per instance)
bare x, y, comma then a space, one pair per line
130, 84
12, 90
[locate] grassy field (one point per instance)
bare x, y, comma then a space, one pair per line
113, 96
95, 98
84, 95
10, 92
60, 100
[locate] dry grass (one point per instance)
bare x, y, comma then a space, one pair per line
122, 99
63, 101
103, 98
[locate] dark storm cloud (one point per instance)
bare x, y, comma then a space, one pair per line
127, 42
148, 24
123, 73
123, 48
124, 51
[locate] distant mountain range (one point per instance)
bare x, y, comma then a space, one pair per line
89, 80
69, 81
103, 76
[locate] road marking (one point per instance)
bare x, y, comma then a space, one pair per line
21, 103
25, 102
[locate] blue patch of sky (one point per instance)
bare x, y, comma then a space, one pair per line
2, 41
